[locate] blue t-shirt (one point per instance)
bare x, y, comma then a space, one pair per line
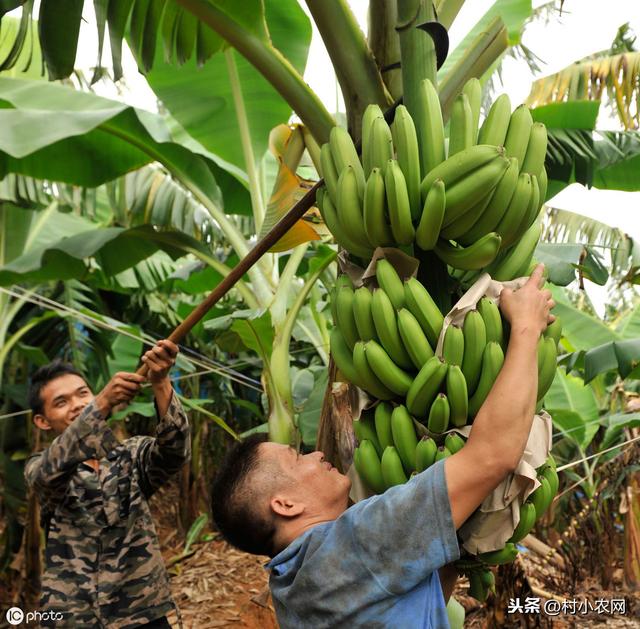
374, 566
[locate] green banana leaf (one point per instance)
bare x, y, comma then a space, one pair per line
94, 140
514, 14
309, 417
579, 328
560, 260
113, 248
573, 407
200, 97
576, 114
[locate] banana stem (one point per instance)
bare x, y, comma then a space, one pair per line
385, 44
477, 59
417, 51
245, 139
351, 56
270, 63
447, 11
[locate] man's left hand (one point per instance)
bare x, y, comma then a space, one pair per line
159, 360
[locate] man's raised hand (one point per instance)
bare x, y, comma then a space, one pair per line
121, 389
528, 308
159, 360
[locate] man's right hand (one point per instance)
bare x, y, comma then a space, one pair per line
528, 308
121, 389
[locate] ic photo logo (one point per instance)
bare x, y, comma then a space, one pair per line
14, 616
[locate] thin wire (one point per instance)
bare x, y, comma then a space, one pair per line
591, 456
149, 339
14, 414
55, 306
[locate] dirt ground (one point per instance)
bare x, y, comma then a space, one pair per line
217, 586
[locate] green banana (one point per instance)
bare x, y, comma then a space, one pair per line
387, 371
376, 224
362, 314
342, 356
382, 418
461, 127
398, 204
543, 182
473, 91
344, 154
533, 162
464, 194
475, 340
368, 466
349, 207
453, 347
424, 309
370, 382
390, 282
408, 155
492, 320
380, 144
342, 281
547, 363
329, 173
488, 579
518, 207
492, 361
499, 557
344, 314
371, 112
414, 339
497, 206
552, 478
424, 387
541, 497
432, 216
526, 523
475, 256
494, 129
458, 229
520, 254
330, 216
454, 442
425, 453
459, 167
442, 453
430, 127
404, 437
532, 210
385, 321
554, 330
477, 588
439, 414
458, 396
518, 133
392, 470
363, 429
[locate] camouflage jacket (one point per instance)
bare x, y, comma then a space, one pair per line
103, 561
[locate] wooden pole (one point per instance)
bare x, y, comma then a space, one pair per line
260, 248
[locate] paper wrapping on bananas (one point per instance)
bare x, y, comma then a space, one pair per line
493, 523
483, 287
404, 264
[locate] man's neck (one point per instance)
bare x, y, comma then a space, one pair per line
290, 531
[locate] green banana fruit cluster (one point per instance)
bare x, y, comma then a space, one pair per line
472, 198
390, 449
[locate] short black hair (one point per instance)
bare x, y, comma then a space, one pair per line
42, 377
233, 501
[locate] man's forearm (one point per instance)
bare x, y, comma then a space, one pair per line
163, 392
503, 423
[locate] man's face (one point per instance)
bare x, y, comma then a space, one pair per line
62, 401
313, 481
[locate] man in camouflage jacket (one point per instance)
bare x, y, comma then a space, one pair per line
103, 562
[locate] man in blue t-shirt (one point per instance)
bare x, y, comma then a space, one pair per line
376, 563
